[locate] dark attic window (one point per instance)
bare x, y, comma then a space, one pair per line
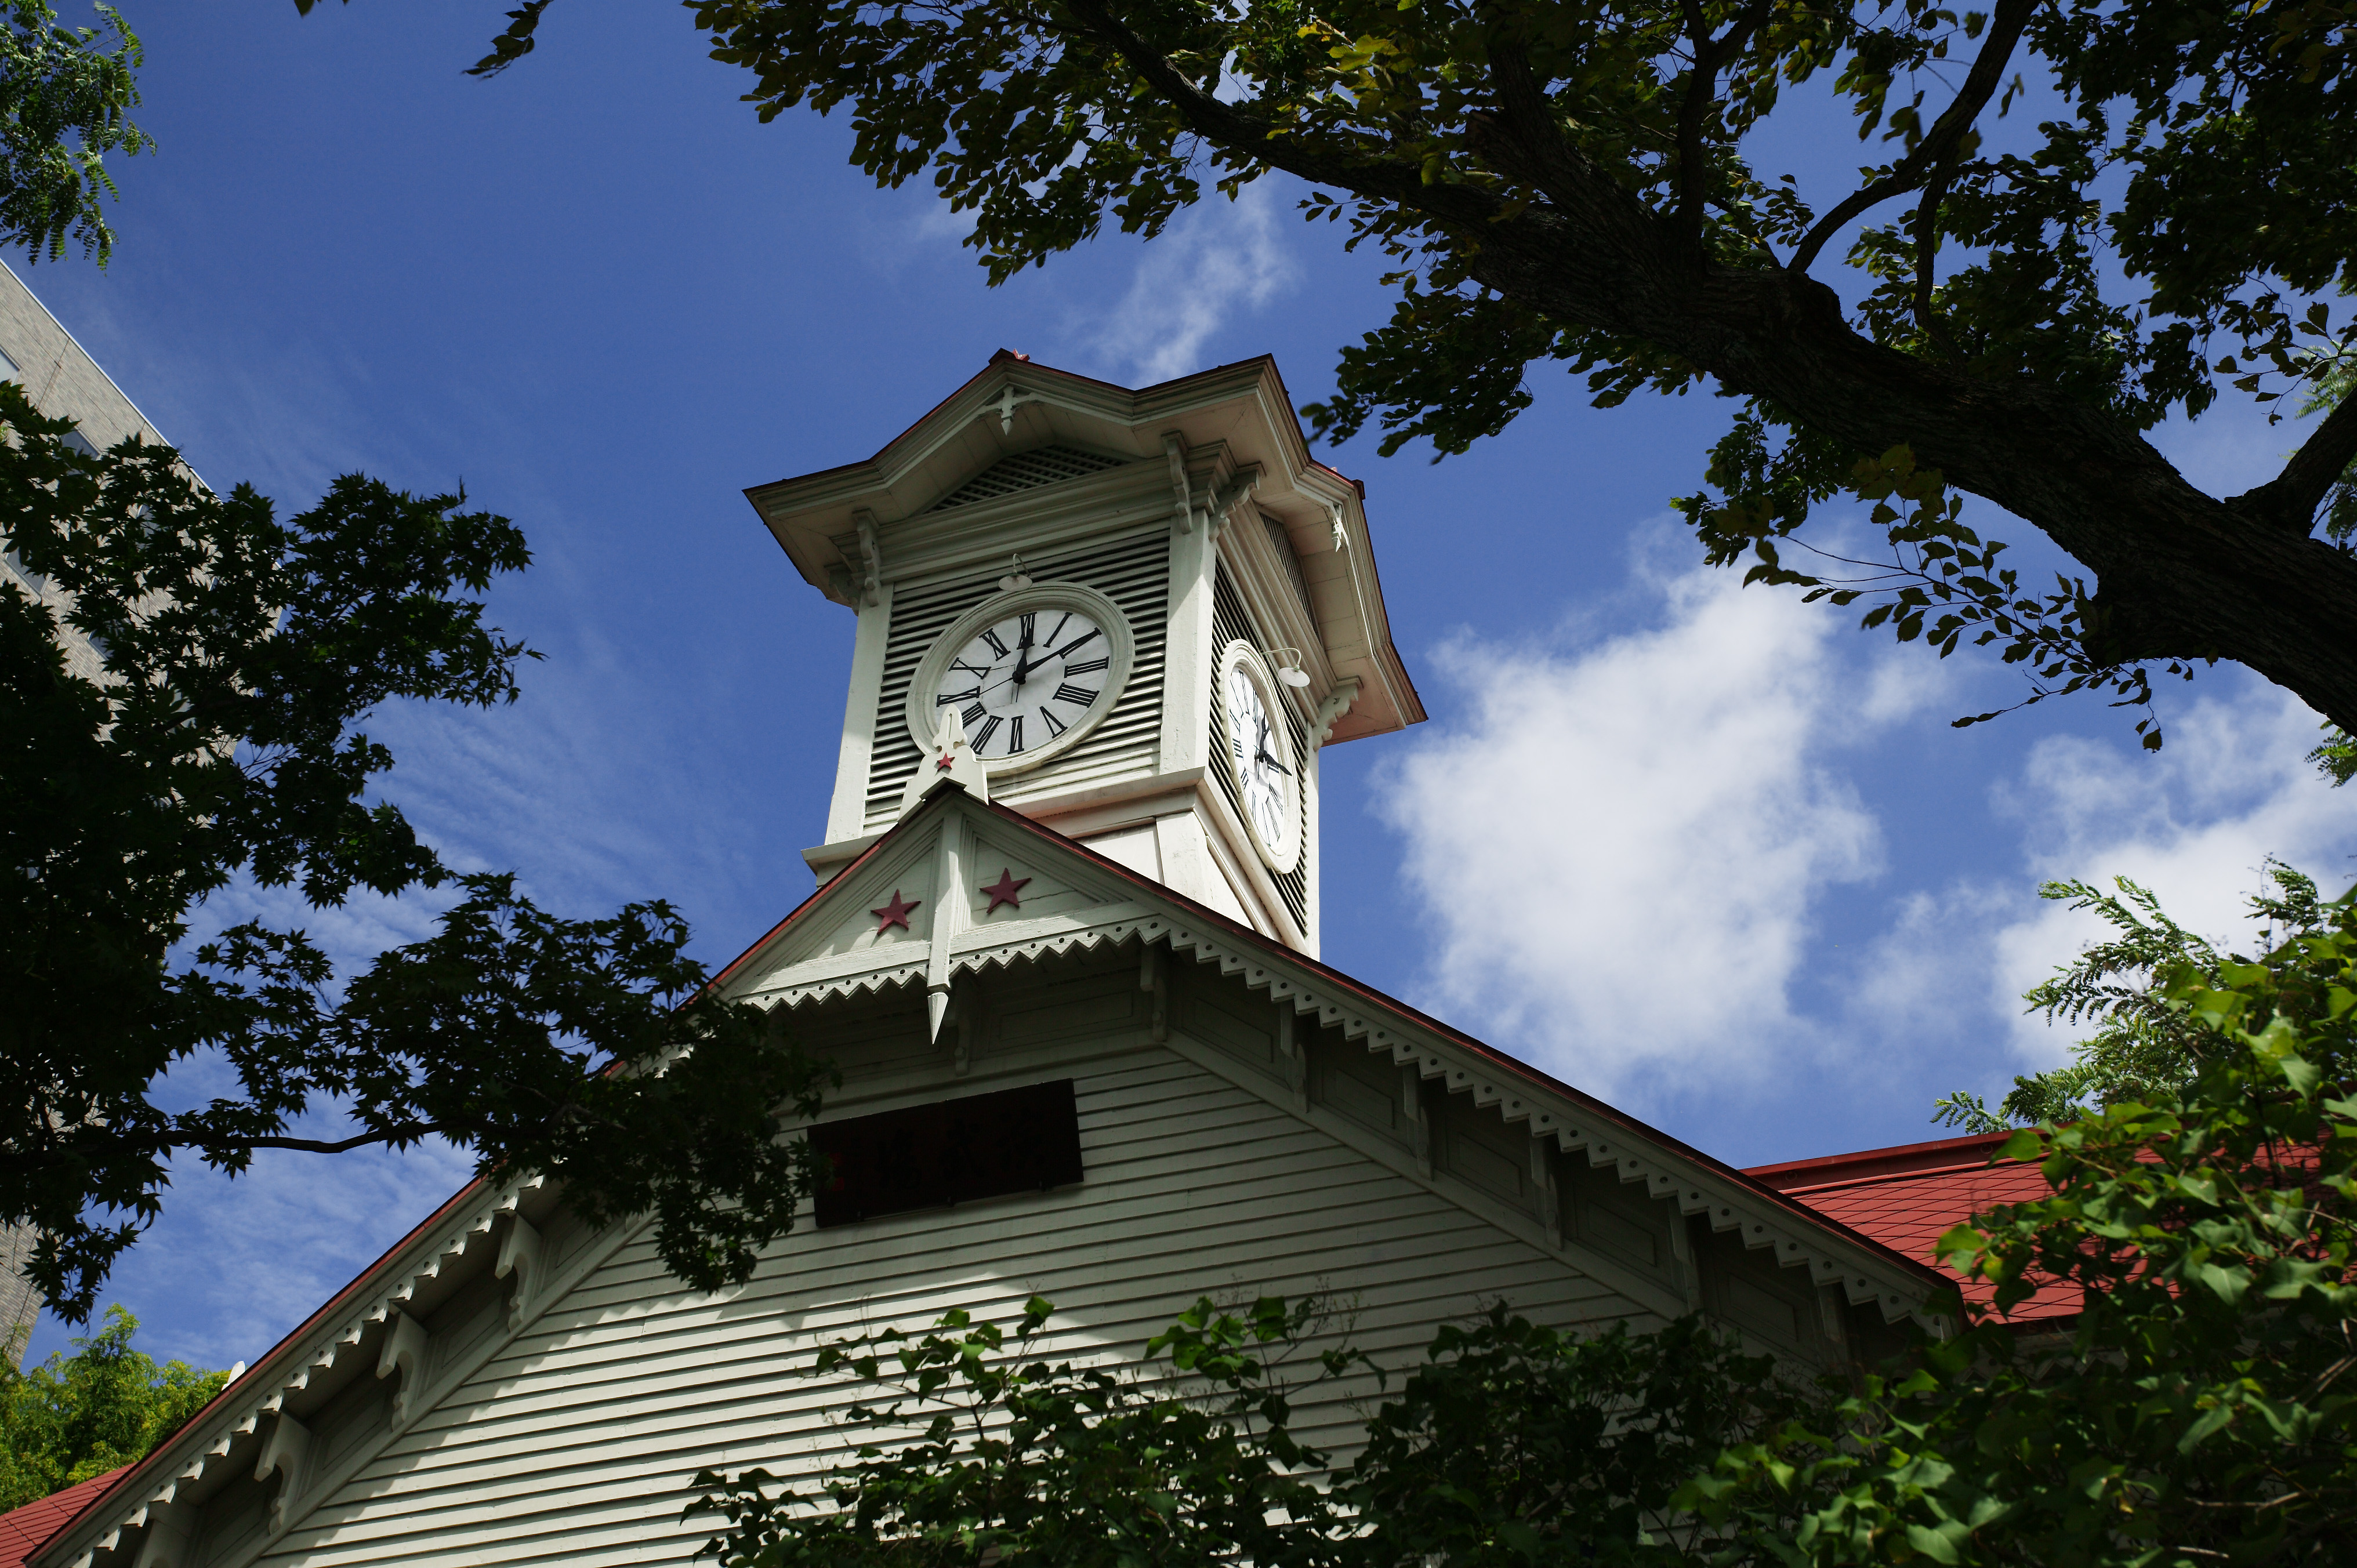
953, 1151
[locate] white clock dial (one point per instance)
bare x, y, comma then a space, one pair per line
1024, 682
1260, 750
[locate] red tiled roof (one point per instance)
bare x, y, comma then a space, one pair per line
1906, 1197
22, 1531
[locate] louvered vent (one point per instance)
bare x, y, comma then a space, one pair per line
1024, 471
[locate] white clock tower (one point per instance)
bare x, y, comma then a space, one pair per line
1134, 617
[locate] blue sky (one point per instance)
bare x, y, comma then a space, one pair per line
1757, 890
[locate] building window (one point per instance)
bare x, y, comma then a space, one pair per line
953, 1151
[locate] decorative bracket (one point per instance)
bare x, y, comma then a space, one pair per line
1296, 1060
872, 586
1151, 982
1006, 402
520, 1252
1182, 498
1419, 1125
1543, 1181
288, 1452
1245, 481
404, 1352
1329, 712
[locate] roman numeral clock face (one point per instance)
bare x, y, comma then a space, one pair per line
1027, 675
1028, 680
1260, 751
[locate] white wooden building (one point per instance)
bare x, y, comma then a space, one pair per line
1068, 937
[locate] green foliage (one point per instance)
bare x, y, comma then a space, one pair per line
82, 1415
1513, 1443
2199, 1408
1518, 1445
241, 653
1013, 1458
2144, 1042
65, 102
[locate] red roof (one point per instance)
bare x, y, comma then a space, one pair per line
22, 1531
1906, 1196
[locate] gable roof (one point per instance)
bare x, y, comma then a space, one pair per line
24, 1531
1147, 910
1907, 1196
1092, 901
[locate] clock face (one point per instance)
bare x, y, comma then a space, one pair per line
1024, 682
1267, 777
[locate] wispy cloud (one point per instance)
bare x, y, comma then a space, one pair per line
1686, 818
1220, 259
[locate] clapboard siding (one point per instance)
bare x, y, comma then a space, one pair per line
575, 1442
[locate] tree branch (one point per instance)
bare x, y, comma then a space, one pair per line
2289, 501
1248, 135
406, 1134
1946, 136
1702, 90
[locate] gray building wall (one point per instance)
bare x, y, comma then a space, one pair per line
64, 383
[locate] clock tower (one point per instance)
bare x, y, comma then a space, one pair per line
1136, 616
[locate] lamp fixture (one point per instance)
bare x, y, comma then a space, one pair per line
1014, 579
1288, 667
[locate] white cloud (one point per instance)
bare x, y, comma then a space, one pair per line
2195, 823
1675, 814
1221, 258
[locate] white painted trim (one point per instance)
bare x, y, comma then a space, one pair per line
1186, 654
847, 809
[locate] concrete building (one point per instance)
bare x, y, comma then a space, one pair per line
64, 383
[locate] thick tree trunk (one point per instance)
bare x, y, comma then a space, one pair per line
2178, 574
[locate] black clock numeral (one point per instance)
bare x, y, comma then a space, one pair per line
996, 646
1059, 628
981, 740
1084, 669
1065, 651
1056, 727
981, 669
973, 714
1014, 734
1030, 624
1068, 693
946, 698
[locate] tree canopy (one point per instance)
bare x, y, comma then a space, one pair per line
66, 96
242, 652
1602, 185
2142, 1043
78, 1416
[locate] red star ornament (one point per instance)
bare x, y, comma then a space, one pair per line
1005, 890
896, 913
